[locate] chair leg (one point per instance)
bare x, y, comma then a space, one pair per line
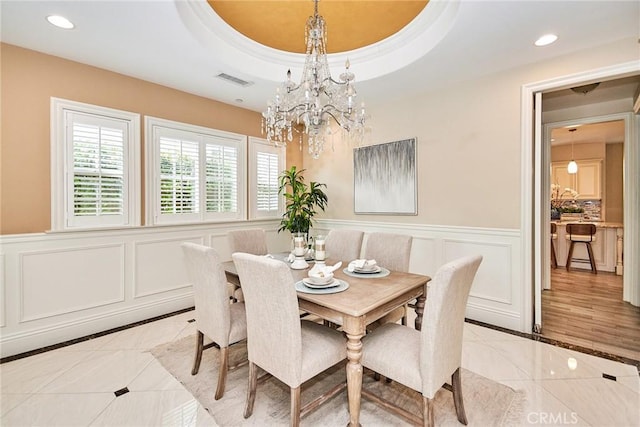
295, 406
570, 255
251, 390
223, 368
554, 260
592, 259
427, 412
456, 386
199, 349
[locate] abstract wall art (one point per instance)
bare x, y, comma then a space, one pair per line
385, 178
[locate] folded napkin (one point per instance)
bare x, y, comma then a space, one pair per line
321, 269
362, 264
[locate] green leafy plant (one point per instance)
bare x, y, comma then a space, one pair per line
301, 201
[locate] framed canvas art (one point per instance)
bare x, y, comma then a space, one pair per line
385, 178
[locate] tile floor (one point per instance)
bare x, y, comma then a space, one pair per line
78, 384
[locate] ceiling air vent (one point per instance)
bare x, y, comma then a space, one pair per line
235, 80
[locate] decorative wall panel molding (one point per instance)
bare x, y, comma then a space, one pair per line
496, 295
67, 280
159, 266
139, 274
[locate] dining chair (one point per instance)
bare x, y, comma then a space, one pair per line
392, 251
216, 317
251, 241
554, 237
581, 233
344, 245
279, 342
425, 360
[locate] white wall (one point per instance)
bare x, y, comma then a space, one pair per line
61, 286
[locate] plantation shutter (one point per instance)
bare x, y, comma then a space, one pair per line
221, 177
179, 175
267, 170
96, 175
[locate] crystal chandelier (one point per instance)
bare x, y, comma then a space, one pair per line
310, 106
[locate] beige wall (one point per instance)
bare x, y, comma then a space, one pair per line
469, 144
469, 136
30, 79
613, 203
586, 151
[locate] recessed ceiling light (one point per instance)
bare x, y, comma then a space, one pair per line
546, 39
60, 22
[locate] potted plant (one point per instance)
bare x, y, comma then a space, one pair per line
301, 201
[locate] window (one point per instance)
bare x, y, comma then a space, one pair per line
266, 162
94, 154
194, 174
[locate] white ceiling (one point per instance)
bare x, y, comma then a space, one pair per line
155, 41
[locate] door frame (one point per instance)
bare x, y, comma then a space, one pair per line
534, 211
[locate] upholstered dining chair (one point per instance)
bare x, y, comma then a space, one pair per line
392, 251
290, 349
251, 241
581, 233
425, 360
222, 322
344, 245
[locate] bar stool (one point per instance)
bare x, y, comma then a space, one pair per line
581, 233
554, 236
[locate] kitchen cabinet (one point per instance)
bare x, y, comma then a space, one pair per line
587, 182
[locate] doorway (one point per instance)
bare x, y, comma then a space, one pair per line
580, 307
535, 184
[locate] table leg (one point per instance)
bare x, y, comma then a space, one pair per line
420, 310
355, 329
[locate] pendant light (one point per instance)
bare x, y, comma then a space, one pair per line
572, 167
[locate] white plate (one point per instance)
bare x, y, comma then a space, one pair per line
310, 284
376, 269
301, 287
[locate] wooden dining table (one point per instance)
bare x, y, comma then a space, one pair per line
366, 300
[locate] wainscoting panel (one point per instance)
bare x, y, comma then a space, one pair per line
55, 282
3, 295
159, 266
63, 286
493, 270
496, 296
57, 287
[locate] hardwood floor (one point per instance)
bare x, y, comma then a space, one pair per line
586, 309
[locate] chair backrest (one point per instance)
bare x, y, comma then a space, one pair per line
392, 251
443, 322
554, 228
274, 337
251, 241
212, 311
344, 245
581, 230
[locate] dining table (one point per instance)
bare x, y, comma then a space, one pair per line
367, 298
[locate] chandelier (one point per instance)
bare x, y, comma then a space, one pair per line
311, 106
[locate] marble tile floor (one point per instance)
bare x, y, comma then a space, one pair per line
113, 380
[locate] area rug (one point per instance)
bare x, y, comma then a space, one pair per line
487, 403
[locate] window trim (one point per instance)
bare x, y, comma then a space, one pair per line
254, 145
152, 165
59, 156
